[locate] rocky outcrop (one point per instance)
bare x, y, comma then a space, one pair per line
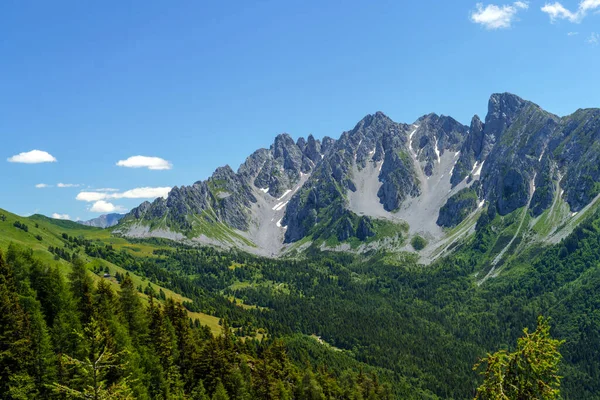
578, 156
227, 197
458, 207
470, 152
323, 197
434, 136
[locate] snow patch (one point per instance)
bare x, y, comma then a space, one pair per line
574, 213
285, 194
279, 206
410, 136
437, 152
264, 190
457, 154
477, 169
481, 203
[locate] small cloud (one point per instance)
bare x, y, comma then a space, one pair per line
137, 193
32, 157
102, 206
594, 39
68, 185
105, 190
557, 11
153, 163
60, 216
42, 185
497, 17
142, 193
572, 33
91, 196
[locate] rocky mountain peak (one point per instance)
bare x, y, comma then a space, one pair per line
503, 108
313, 149
224, 172
431, 173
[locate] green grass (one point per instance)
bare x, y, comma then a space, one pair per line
50, 230
208, 225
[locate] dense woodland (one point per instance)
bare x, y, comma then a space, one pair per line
78, 339
422, 329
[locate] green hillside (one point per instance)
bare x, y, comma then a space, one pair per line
420, 329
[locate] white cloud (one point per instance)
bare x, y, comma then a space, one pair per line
594, 39
154, 163
105, 190
60, 216
137, 193
42, 185
102, 206
67, 185
32, 157
142, 193
572, 33
497, 17
90, 196
557, 11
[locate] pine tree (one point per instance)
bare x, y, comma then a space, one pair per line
42, 364
199, 393
164, 344
220, 392
132, 310
531, 372
82, 289
15, 343
92, 369
311, 389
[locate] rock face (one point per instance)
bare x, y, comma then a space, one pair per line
435, 168
103, 221
470, 151
228, 197
458, 207
376, 138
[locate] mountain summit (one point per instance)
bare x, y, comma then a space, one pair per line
383, 183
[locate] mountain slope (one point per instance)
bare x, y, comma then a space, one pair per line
383, 182
103, 221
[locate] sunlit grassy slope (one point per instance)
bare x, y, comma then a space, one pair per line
50, 231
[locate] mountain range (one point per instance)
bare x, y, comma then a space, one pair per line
385, 184
103, 221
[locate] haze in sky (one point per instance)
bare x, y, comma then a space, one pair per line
105, 105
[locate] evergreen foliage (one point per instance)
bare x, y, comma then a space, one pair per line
83, 340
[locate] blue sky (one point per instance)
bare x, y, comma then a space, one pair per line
204, 84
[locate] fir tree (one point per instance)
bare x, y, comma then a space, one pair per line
531, 372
